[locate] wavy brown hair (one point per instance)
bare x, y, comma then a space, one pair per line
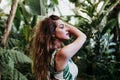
42, 49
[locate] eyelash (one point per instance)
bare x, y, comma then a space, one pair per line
61, 26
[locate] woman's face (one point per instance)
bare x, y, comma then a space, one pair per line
62, 31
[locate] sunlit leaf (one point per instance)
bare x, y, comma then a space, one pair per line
37, 7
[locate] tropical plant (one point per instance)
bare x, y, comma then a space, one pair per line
15, 65
97, 60
15, 59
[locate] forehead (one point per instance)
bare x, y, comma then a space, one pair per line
58, 22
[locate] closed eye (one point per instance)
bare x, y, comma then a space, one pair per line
61, 26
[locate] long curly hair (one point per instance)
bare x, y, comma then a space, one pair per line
42, 49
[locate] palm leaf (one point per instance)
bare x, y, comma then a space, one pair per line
18, 57
11, 65
107, 12
103, 7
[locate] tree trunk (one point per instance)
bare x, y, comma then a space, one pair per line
9, 23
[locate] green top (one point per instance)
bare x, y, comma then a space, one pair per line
69, 73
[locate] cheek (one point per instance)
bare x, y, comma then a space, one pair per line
60, 34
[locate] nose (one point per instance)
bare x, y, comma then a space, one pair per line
67, 28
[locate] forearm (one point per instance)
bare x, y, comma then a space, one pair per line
75, 31
71, 49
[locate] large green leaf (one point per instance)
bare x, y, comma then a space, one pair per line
55, 1
17, 19
26, 16
37, 7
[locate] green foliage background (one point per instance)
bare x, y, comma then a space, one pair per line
98, 59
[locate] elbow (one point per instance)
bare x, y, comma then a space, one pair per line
85, 37
82, 35
82, 38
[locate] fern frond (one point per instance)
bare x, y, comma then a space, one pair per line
14, 65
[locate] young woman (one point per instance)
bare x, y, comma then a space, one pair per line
52, 61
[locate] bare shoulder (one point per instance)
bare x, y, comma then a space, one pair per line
60, 60
64, 54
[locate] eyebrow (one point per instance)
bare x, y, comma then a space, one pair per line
61, 24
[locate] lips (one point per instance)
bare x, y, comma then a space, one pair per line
67, 34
